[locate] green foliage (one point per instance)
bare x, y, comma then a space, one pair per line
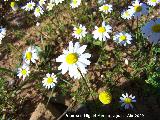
154, 79
2, 94
6, 99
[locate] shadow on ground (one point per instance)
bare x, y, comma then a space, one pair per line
147, 106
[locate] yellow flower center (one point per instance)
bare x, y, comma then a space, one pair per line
13, 4
72, 58
156, 28
122, 38
138, 8
105, 7
24, 72
28, 55
127, 100
50, 80
153, 0
79, 31
29, 5
101, 29
37, 10
74, 1
126, 13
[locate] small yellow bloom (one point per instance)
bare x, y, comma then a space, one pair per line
105, 97
13, 4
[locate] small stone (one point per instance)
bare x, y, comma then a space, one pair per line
109, 48
48, 113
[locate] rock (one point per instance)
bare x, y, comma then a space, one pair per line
109, 48
41, 112
27, 85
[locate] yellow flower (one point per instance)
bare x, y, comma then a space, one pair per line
13, 4
105, 97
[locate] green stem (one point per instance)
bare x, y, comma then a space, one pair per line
102, 45
67, 82
89, 89
137, 29
101, 53
103, 17
49, 97
58, 75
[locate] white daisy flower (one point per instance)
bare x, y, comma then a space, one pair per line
151, 30
2, 33
74, 59
153, 2
79, 32
127, 14
38, 11
106, 8
29, 6
123, 38
42, 2
23, 71
30, 55
14, 6
101, 33
75, 3
50, 6
139, 9
56, 1
49, 81
127, 100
